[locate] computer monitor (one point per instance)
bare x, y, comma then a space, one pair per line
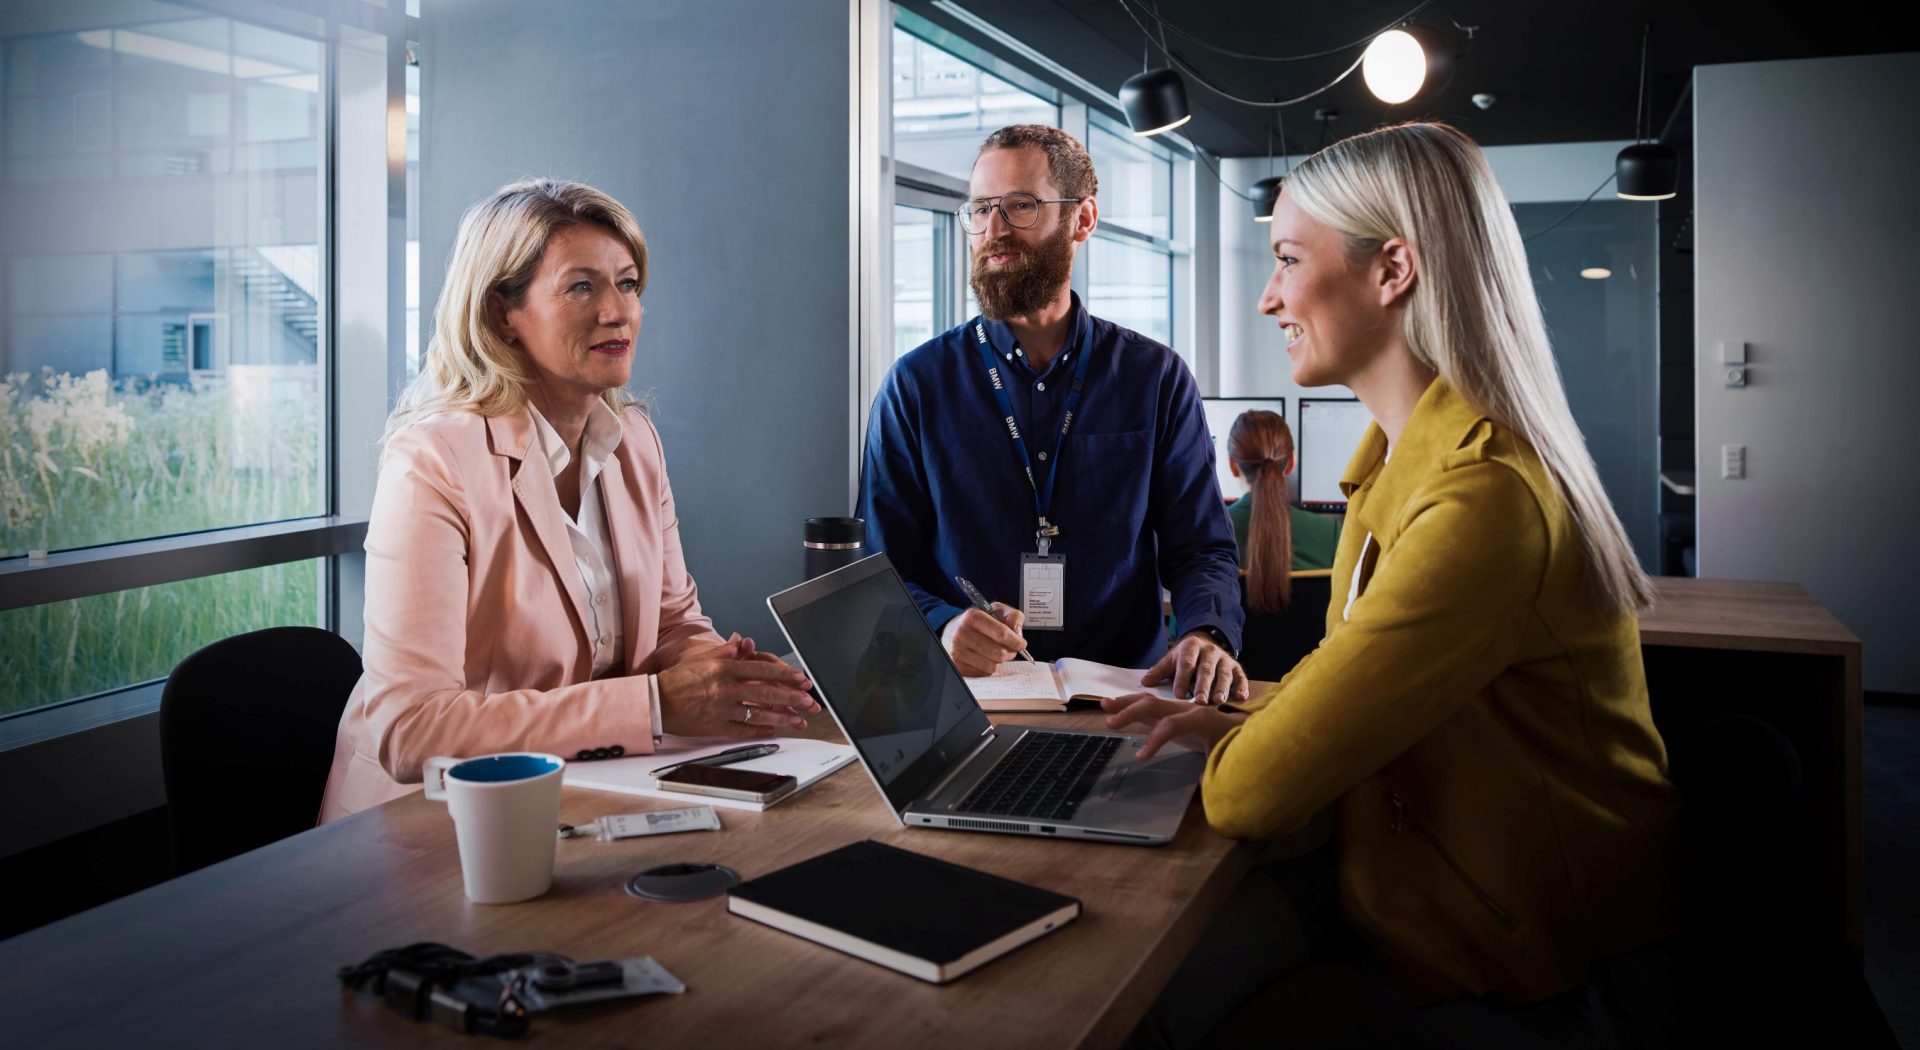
1221, 412
1329, 432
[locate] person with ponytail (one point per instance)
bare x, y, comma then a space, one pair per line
1276, 538
1475, 724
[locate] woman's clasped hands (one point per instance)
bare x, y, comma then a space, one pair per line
732, 690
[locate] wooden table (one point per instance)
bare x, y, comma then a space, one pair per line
243, 953
1715, 647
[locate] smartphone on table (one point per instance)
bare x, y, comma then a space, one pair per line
747, 785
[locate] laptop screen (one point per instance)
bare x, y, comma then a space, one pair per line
883, 672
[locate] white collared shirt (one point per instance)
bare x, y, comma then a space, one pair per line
592, 543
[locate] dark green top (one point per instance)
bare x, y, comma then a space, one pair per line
1314, 535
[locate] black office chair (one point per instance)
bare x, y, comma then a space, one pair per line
247, 727
1271, 643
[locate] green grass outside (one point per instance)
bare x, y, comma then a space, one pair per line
87, 461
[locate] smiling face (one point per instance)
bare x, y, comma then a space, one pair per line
1334, 310
578, 317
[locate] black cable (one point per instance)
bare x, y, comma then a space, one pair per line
1640, 100
1571, 214
1219, 178
1195, 76
1169, 27
418, 981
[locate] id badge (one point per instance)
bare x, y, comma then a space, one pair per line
1043, 592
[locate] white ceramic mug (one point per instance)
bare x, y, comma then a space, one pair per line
505, 810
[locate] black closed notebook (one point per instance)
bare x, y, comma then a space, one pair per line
928, 918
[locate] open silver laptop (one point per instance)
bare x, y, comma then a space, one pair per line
930, 749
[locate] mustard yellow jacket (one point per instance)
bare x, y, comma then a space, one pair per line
1502, 810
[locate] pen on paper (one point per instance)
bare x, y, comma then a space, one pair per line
981, 603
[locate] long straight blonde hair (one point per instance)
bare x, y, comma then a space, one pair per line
1473, 316
470, 366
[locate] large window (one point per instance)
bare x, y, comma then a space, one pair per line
162, 351
947, 97
53, 652
943, 105
916, 248
1131, 258
1131, 284
167, 369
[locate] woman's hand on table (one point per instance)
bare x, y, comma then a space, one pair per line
732, 690
1195, 725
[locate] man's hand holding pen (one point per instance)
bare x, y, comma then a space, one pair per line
979, 642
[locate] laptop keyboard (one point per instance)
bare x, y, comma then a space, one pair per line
1044, 776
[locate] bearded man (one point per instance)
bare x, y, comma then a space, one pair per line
1057, 461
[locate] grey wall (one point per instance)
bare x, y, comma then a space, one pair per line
723, 125
1807, 255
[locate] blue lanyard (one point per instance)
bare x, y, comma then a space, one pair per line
1042, 497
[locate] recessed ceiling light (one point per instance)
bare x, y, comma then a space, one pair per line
1596, 273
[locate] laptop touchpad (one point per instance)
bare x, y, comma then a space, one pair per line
1168, 774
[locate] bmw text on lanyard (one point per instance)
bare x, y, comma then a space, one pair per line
1042, 497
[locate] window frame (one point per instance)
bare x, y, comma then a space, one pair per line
115, 730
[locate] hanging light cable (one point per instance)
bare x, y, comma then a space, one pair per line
1155, 100
1180, 67
1266, 192
1168, 27
1647, 171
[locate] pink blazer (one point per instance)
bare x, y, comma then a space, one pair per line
476, 637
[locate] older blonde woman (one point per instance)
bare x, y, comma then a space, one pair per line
525, 585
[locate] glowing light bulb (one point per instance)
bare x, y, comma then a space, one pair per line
1394, 67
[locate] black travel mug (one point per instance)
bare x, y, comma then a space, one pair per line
829, 543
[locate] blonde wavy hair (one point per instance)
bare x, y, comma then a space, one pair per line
1473, 316
470, 366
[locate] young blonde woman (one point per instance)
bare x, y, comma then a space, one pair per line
1476, 721
525, 585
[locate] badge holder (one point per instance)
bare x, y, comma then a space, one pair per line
1043, 583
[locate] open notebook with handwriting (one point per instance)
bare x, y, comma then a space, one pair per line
1021, 686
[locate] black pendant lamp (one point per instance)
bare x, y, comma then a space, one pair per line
1645, 171
1155, 101
1266, 194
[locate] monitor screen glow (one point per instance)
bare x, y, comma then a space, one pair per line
1330, 430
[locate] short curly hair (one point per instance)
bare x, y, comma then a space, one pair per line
1067, 159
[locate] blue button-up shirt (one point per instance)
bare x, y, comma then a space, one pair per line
944, 493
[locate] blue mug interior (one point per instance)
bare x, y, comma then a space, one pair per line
496, 769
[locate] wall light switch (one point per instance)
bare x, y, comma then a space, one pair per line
1733, 352
1733, 461
1736, 376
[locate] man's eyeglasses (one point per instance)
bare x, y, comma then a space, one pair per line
1021, 210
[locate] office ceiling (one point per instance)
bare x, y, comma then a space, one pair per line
1560, 71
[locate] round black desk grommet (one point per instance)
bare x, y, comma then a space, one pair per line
683, 882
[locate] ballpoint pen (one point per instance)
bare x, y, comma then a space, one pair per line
981, 603
720, 758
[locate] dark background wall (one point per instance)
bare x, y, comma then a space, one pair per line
722, 125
